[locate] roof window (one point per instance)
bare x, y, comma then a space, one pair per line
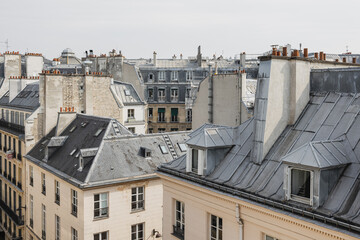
98, 132
182, 147
127, 92
72, 129
83, 124
163, 149
73, 151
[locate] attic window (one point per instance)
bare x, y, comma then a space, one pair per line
182, 147
98, 132
163, 149
145, 152
72, 129
195, 160
300, 184
73, 151
127, 92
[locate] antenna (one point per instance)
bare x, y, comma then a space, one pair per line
347, 48
7, 44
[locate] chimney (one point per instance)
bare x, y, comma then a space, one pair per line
199, 57
321, 55
181, 56
306, 54
283, 91
284, 51
242, 59
64, 119
317, 55
154, 58
354, 60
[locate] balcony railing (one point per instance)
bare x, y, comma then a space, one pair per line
19, 220
178, 232
12, 126
174, 119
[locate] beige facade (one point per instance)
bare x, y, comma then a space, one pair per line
256, 223
120, 216
167, 118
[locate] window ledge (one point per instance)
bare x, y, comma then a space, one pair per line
100, 218
137, 210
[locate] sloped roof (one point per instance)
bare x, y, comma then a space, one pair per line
213, 137
27, 99
125, 94
319, 154
330, 123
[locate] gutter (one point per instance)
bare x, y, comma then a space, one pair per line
263, 200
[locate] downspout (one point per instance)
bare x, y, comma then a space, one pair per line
210, 97
239, 221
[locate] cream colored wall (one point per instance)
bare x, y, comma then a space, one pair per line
67, 220
258, 221
120, 216
139, 118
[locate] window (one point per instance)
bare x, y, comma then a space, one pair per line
150, 77
19, 150
194, 160
137, 198
163, 149
31, 175
161, 95
300, 183
43, 184
101, 236
101, 205
57, 192
151, 130
137, 232
188, 92
174, 95
74, 202
215, 228
131, 129
189, 115
174, 75
74, 234
161, 115
179, 227
150, 94
174, 129
174, 115
57, 227
43, 222
161, 130
150, 112
182, 147
131, 113
189, 75
161, 76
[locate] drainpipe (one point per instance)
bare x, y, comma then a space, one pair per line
210, 97
240, 222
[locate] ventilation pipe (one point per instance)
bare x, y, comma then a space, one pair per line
154, 58
239, 221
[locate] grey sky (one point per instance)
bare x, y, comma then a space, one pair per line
138, 27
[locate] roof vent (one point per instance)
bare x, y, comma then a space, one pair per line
127, 92
145, 152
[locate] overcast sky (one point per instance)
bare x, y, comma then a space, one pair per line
138, 27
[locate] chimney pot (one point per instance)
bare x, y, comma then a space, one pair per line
306, 53
354, 60
317, 55
284, 51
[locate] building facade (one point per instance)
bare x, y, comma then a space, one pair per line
101, 188
287, 173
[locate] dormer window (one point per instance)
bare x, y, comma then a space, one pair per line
194, 160
145, 152
81, 163
300, 184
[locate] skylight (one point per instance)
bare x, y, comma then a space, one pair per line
163, 149
98, 132
72, 129
83, 124
182, 147
127, 93
73, 151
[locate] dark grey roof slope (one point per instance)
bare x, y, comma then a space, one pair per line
213, 137
328, 116
82, 133
27, 99
125, 94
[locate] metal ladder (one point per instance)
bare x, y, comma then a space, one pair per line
170, 146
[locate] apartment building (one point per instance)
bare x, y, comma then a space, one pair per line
17, 110
168, 85
91, 178
87, 93
290, 172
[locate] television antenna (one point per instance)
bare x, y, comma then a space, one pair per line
7, 44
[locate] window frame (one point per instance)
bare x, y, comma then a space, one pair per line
57, 228
217, 227
43, 183
100, 235
297, 198
189, 75
99, 209
174, 94
137, 231
174, 75
74, 202
43, 221
179, 224
137, 202
162, 76
57, 192
131, 113
161, 97
74, 234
